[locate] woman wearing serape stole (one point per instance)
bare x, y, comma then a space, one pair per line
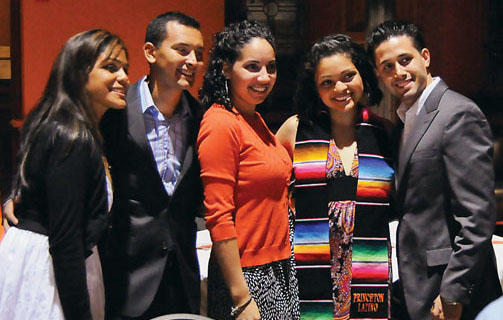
342, 165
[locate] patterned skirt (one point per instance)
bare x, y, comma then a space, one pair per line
273, 286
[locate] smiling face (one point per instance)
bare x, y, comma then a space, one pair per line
338, 82
402, 68
253, 75
178, 58
108, 81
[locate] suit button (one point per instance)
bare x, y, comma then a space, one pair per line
164, 247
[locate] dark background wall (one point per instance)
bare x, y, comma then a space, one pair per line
465, 38
36, 30
47, 24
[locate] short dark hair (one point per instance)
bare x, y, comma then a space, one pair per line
391, 29
156, 29
226, 49
307, 100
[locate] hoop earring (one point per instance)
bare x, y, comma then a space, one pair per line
227, 97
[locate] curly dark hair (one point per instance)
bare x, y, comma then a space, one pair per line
307, 100
226, 49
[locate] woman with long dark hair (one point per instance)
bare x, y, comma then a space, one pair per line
342, 164
61, 186
245, 173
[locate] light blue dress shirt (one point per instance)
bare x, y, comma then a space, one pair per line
492, 311
167, 137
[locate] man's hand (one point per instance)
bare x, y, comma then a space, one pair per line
442, 310
8, 214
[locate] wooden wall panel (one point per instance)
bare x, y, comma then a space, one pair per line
5, 22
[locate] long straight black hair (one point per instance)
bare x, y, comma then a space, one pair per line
63, 110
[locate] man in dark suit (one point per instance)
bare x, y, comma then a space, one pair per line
444, 183
149, 255
150, 263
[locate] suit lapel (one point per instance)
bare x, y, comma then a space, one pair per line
192, 130
136, 124
137, 131
422, 123
187, 162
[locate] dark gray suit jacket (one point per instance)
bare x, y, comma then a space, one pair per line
445, 198
149, 228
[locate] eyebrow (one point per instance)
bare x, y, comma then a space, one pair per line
187, 45
343, 72
401, 55
113, 59
124, 64
258, 61
404, 55
383, 62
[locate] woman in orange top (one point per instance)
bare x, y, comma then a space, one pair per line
245, 173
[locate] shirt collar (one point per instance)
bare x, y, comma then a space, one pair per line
403, 108
145, 95
147, 101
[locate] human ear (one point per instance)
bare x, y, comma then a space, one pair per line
226, 70
425, 53
376, 72
150, 52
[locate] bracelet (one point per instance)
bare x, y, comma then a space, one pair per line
235, 311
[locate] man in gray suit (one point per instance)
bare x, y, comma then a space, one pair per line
444, 183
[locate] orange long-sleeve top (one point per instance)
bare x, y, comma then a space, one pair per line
245, 173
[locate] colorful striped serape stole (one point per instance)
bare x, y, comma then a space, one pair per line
370, 260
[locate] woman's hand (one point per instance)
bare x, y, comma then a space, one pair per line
227, 254
251, 312
8, 214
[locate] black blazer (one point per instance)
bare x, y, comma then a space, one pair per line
149, 228
65, 199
